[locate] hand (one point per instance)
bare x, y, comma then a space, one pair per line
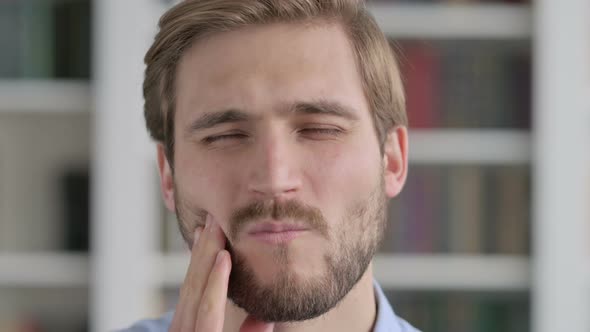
203, 295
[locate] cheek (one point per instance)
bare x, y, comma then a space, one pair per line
203, 183
341, 177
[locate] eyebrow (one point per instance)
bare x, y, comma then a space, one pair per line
326, 107
210, 120
322, 107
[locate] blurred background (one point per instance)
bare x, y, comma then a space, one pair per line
489, 234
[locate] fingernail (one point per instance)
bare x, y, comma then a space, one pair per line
208, 222
219, 258
197, 234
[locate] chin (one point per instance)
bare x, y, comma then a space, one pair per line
280, 287
267, 266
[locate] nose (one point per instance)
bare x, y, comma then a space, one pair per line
274, 171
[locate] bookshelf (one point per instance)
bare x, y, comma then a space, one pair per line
44, 95
129, 233
445, 20
44, 270
398, 271
561, 209
469, 146
417, 272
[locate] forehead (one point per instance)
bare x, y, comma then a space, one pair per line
264, 68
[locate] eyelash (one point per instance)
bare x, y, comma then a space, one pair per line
213, 139
320, 131
329, 131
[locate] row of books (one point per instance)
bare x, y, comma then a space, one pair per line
45, 39
467, 83
461, 209
45, 308
454, 209
23, 325
447, 311
463, 312
31, 323
445, 209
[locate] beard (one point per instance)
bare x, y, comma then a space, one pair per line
288, 297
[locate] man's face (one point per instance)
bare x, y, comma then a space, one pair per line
274, 139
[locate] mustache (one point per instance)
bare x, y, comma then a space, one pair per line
311, 216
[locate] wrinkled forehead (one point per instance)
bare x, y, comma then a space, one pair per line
269, 67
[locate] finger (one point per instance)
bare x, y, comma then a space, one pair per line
252, 324
205, 247
212, 306
203, 253
186, 306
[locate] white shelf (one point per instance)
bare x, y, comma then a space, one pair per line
469, 146
453, 272
459, 146
43, 270
454, 21
28, 95
416, 272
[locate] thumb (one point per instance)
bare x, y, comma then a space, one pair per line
252, 324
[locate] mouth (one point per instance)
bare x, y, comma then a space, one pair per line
276, 232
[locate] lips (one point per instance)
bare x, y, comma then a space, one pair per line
276, 232
276, 227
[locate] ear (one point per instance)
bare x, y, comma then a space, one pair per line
166, 178
395, 160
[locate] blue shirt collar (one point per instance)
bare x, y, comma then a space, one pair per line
387, 320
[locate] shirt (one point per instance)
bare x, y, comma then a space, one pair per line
386, 320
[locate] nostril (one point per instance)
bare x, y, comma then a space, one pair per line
273, 190
273, 172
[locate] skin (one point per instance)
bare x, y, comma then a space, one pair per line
324, 160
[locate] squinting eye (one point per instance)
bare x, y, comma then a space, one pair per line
213, 139
321, 131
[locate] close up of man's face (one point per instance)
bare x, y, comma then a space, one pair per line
273, 132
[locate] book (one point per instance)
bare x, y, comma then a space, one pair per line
512, 219
11, 32
484, 83
76, 200
462, 311
465, 208
37, 39
42, 39
72, 39
420, 71
393, 237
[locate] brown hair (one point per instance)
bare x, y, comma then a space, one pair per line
191, 20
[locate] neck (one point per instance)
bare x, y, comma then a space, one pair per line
356, 312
